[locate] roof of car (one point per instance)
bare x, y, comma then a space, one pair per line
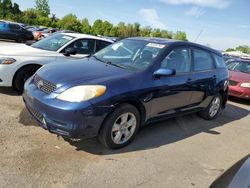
79, 35
171, 41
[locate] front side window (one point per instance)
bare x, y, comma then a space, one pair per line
83, 46
178, 59
131, 54
202, 60
53, 43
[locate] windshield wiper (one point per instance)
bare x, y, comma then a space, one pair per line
114, 64
97, 58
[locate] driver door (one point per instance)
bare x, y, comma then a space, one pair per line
173, 93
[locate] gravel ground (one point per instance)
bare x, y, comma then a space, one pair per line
181, 152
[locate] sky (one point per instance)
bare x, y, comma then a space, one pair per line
221, 24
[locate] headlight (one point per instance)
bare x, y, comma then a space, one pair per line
6, 60
82, 93
247, 85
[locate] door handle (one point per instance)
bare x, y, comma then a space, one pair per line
189, 80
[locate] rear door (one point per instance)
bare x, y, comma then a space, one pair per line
203, 81
4, 30
173, 93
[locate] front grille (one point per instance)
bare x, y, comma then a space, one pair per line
44, 85
232, 83
36, 114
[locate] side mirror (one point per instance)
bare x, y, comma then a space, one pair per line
164, 72
70, 51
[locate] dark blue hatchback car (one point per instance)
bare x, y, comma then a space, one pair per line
126, 85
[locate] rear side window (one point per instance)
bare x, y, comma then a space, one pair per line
202, 60
15, 27
220, 63
101, 44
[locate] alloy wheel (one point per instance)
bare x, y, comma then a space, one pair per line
123, 128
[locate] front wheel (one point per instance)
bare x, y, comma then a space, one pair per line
214, 108
22, 75
120, 127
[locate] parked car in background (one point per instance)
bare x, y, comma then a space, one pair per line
44, 33
239, 78
37, 32
13, 31
126, 85
19, 62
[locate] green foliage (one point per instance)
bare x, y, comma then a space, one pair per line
179, 35
244, 49
230, 50
97, 28
9, 10
40, 16
42, 6
70, 22
86, 28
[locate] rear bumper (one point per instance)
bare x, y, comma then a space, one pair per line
63, 118
239, 92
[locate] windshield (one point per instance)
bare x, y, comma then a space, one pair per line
130, 54
53, 43
239, 67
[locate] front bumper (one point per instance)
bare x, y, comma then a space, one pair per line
6, 75
239, 92
73, 120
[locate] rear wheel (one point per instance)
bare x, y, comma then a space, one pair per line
22, 75
120, 127
214, 108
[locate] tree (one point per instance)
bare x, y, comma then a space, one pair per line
70, 22
86, 28
166, 34
114, 32
29, 16
230, 50
179, 35
106, 26
243, 48
156, 33
121, 30
97, 27
146, 31
43, 7
6, 8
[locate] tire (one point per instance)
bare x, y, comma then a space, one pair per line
113, 128
22, 75
213, 110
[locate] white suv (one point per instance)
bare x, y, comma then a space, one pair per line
19, 61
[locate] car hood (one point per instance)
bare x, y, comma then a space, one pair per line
239, 76
85, 71
22, 50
